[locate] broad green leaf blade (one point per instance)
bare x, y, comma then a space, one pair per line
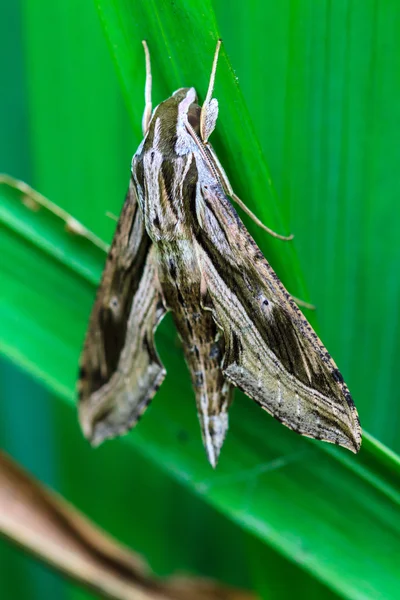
76, 107
78, 121
20, 578
330, 512
322, 82
81, 142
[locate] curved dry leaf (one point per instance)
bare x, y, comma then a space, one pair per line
46, 525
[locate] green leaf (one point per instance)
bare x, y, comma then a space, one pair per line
320, 506
321, 80
334, 515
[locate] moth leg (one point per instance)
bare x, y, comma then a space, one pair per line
209, 110
147, 91
35, 201
111, 216
302, 303
229, 191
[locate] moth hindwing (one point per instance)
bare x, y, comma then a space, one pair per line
180, 246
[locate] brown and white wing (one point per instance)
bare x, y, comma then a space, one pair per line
120, 370
272, 353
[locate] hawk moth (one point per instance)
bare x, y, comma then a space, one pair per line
180, 246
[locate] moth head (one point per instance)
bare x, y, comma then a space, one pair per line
188, 106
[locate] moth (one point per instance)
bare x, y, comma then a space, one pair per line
180, 246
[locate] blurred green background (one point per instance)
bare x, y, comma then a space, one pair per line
317, 101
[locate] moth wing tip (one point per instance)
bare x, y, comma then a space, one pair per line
214, 430
86, 423
356, 442
356, 433
353, 438
212, 459
89, 431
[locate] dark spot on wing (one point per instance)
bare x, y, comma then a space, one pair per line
215, 351
236, 348
337, 376
146, 344
283, 341
114, 303
113, 337
181, 299
172, 268
198, 378
189, 327
139, 172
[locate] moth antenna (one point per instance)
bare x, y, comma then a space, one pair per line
226, 184
257, 221
213, 71
147, 90
209, 111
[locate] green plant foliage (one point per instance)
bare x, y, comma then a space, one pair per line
321, 81
323, 113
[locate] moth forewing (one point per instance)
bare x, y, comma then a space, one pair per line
180, 246
272, 353
120, 370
